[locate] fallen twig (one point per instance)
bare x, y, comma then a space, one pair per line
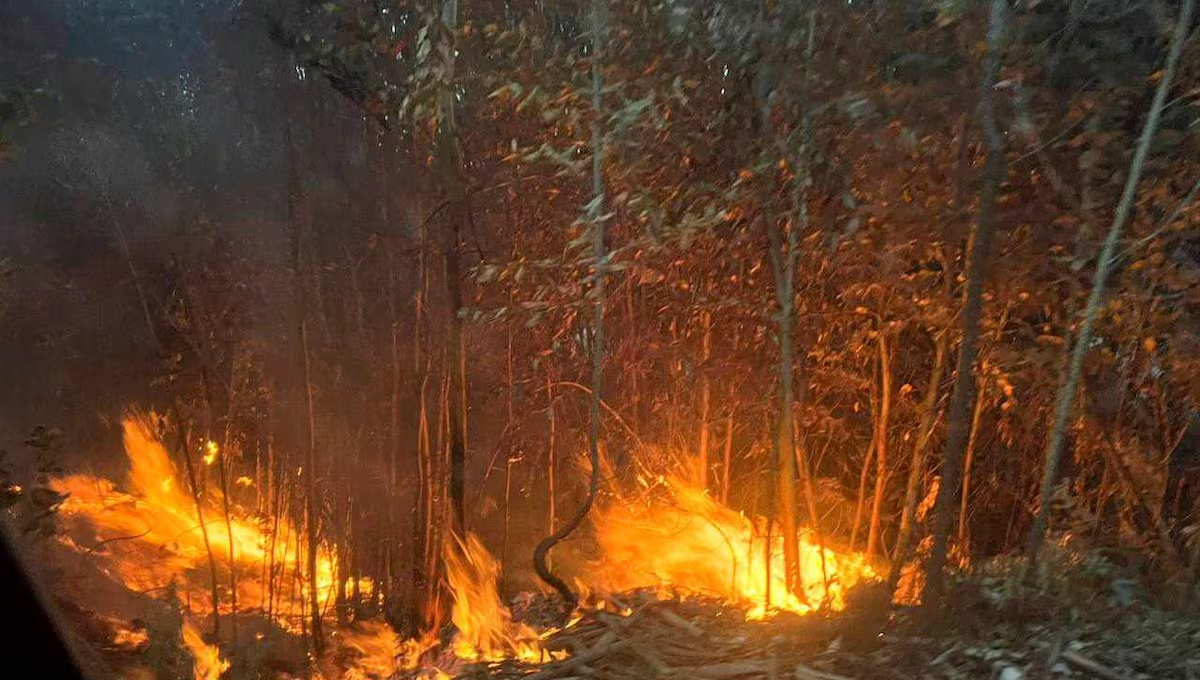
1091, 666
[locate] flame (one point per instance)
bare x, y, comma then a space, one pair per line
151, 534
378, 648
207, 663
485, 629
210, 452
128, 638
680, 539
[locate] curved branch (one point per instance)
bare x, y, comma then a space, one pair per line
603, 404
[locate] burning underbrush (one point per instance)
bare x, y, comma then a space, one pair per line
155, 565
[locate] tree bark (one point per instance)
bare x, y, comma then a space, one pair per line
972, 443
702, 462
916, 466
964, 378
450, 152
881, 440
1066, 392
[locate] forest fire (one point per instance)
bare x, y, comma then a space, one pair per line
150, 541
485, 629
150, 535
680, 539
673, 540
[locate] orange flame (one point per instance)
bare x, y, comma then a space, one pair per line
207, 663
680, 539
485, 629
151, 535
377, 646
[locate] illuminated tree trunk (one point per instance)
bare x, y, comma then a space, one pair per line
784, 250
1066, 392
705, 398
968, 462
552, 446
964, 377
881, 441
916, 469
190, 469
727, 458
595, 213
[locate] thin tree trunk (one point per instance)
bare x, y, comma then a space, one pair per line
881, 441
964, 378
551, 518
233, 579
133, 273
972, 442
310, 472
190, 469
310, 492
393, 452
1066, 392
450, 152
727, 458
864, 474
916, 468
509, 425
702, 463
595, 213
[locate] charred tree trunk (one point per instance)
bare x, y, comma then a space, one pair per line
964, 377
1066, 392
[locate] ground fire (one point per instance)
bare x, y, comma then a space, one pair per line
674, 541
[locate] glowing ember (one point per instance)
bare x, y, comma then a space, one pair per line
129, 638
210, 452
680, 539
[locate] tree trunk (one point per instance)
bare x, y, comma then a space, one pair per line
863, 475
190, 469
310, 441
552, 445
916, 467
595, 213
450, 153
881, 439
727, 458
964, 378
1066, 392
702, 463
972, 443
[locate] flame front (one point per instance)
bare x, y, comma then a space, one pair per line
485, 629
680, 539
151, 535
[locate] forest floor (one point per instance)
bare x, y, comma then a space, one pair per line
1081, 621
1080, 617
